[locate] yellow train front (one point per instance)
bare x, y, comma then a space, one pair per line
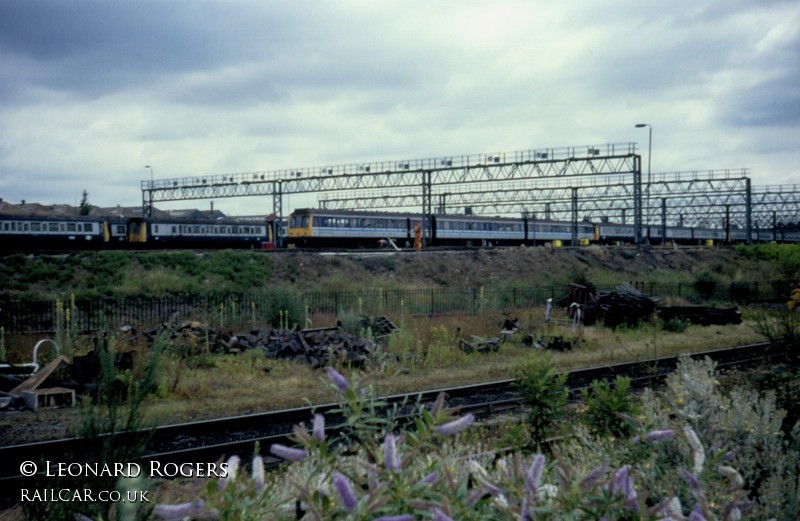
312, 228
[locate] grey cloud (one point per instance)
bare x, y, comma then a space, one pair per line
93, 47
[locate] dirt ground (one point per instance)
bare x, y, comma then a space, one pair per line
539, 265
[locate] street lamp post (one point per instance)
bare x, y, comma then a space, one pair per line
649, 179
149, 209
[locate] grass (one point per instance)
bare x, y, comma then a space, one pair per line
423, 355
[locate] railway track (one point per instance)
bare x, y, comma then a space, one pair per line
211, 440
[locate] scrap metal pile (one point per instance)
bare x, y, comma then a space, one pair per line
627, 305
316, 347
624, 305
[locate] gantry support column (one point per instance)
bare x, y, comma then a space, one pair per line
277, 210
574, 223
637, 199
427, 208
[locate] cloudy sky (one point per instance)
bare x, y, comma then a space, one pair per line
92, 91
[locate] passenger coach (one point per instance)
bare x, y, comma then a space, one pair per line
341, 229
29, 233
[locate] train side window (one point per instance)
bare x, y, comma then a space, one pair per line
36, 227
121, 229
155, 228
71, 227
52, 227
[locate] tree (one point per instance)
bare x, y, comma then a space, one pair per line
85, 206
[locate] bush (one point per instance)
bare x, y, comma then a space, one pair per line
545, 394
676, 325
610, 408
705, 284
733, 466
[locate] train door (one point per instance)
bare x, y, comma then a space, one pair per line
137, 230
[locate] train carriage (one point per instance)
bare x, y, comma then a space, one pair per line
204, 234
338, 228
34, 233
471, 230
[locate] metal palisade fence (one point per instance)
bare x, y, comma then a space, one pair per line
285, 307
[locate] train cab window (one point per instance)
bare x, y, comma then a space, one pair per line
121, 229
155, 228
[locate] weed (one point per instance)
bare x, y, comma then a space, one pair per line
545, 394
610, 408
114, 433
443, 467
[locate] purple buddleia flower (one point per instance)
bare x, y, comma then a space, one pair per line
337, 379
659, 435
474, 497
258, 472
691, 480
390, 458
430, 479
622, 485
401, 517
180, 511
593, 477
288, 453
230, 472
319, 427
533, 476
456, 426
438, 515
696, 514
524, 515
728, 456
345, 490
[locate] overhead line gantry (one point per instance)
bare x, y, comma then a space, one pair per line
507, 168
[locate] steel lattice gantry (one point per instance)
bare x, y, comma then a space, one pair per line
775, 207
428, 175
708, 198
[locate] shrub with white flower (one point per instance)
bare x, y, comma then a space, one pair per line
439, 469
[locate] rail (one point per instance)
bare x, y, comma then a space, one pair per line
210, 440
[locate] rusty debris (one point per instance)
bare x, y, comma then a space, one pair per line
316, 347
480, 345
